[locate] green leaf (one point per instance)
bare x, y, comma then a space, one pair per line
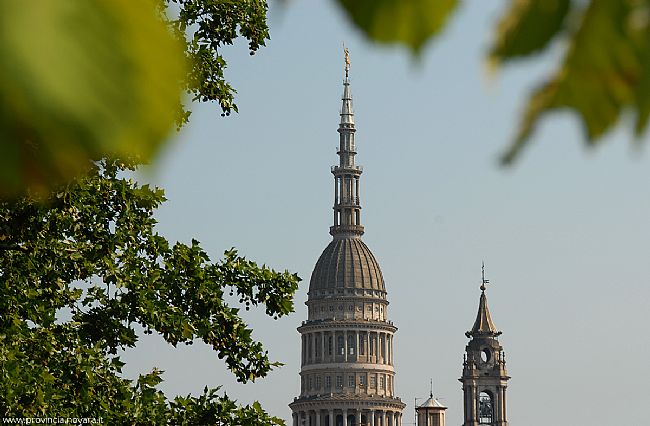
101, 225
96, 78
606, 70
527, 27
409, 22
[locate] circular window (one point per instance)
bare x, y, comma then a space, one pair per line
486, 355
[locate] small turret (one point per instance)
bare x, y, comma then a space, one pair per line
431, 412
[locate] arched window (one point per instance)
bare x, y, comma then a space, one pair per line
340, 344
485, 408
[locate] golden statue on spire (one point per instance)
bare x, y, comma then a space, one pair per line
347, 60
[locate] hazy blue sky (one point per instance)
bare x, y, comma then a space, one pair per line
564, 234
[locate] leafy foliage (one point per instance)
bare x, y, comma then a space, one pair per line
210, 25
92, 251
606, 70
606, 66
410, 22
97, 77
106, 77
519, 32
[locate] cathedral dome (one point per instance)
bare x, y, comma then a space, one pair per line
346, 263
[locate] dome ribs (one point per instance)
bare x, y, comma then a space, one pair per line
346, 263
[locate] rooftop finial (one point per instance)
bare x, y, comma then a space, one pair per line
483, 280
347, 60
431, 391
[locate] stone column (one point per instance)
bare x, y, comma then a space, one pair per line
322, 346
387, 348
375, 338
350, 187
295, 418
310, 348
331, 418
377, 348
318, 416
357, 191
496, 406
384, 418
336, 190
358, 421
505, 411
371, 417
474, 404
345, 417
368, 346
345, 345
367, 340
357, 339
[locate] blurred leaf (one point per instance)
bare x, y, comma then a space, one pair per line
527, 27
410, 22
606, 70
80, 80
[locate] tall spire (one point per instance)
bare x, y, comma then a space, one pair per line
483, 326
347, 374
347, 207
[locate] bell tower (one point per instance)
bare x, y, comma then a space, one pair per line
484, 376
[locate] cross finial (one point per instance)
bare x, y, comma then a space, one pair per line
483, 280
347, 60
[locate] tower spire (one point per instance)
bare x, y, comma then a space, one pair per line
483, 324
347, 207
